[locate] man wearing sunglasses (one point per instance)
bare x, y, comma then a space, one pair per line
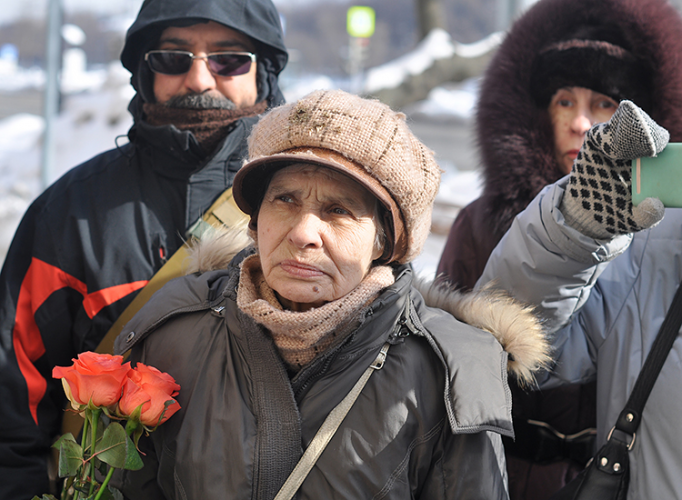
203, 72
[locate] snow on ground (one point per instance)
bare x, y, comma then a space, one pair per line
94, 118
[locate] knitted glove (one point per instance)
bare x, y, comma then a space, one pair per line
598, 201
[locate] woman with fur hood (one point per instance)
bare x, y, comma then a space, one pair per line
562, 58
267, 344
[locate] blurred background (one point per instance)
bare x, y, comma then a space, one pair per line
423, 57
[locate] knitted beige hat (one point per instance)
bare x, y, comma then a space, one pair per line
361, 138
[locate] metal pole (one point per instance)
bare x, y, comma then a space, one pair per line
53, 55
354, 64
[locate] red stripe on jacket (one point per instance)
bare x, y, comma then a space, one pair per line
41, 281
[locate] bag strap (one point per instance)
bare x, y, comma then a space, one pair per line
327, 430
631, 416
224, 211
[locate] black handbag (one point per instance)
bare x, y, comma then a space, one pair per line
607, 475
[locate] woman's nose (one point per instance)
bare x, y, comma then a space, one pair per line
199, 78
582, 122
306, 231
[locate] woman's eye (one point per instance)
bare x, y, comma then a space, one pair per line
606, 104
285, 198
340, 211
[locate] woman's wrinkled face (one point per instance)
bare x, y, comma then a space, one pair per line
316, 235
574, 110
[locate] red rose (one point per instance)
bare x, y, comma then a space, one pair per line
96, 377
150, 388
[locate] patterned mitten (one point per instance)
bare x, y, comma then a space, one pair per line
598, 201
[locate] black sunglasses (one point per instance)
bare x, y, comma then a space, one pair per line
179, 62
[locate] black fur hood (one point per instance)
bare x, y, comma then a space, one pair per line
514, 135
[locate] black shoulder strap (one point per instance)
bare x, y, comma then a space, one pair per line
631, 416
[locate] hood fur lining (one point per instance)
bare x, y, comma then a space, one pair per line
513, 324
217, 248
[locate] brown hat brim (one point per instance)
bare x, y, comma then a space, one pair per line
252, 180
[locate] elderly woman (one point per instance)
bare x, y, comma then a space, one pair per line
267, 346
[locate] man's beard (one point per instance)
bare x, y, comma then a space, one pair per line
200, 101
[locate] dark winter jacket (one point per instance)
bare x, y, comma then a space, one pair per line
516, 145
93, 239
426, 425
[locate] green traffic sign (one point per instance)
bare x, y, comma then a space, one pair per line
360, 21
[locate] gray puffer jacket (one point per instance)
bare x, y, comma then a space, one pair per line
426, 425
604, 302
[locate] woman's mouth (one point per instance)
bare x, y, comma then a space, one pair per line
299, 269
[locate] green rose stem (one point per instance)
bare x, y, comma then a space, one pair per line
131, 427
105, 483
93, 440
65, 489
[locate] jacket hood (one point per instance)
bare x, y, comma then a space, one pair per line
257, 19
513, 324
514, 135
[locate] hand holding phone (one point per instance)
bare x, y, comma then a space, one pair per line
659, 177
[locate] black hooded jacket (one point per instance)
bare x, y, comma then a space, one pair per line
94, 238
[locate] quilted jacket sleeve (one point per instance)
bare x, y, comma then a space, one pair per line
542, 261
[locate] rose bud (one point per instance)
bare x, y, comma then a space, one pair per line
150, 388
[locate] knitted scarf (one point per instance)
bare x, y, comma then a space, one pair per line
301, 336
209, 126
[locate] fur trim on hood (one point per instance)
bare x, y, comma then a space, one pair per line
218, 247
513, 324
514, 135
